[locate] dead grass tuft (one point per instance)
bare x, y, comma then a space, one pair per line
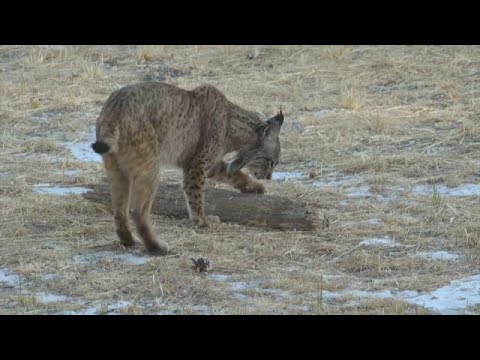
149, 53
470, 129
350, 100
336, 53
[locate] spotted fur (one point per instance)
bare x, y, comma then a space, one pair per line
146, 125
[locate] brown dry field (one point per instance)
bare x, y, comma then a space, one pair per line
391, 134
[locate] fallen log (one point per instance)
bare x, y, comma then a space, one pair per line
230, 206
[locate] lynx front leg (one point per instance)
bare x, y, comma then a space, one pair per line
240, 181
194, 179
195, 169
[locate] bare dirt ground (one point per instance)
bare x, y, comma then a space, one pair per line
384, 140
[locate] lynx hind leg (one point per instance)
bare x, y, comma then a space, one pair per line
143, 192
120, 191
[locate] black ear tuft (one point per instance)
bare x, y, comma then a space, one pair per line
280, 116
277, 120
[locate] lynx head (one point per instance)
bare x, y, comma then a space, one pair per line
262, 159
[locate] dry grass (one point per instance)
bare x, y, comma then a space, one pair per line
350, 100
390, 117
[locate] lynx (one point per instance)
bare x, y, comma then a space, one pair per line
146, 125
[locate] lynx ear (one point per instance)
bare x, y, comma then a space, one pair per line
272, 124
277, 120
279, 117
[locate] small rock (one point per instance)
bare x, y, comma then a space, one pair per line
321, 113
252, 54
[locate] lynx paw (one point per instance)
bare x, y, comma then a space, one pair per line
253, 188
208, 220
117, 245
213, 219
159, 248
125, 245
126, 239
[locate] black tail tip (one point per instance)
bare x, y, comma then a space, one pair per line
100, 147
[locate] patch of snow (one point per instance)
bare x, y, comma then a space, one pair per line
321, 113
97, 310
360, 191
70, 172
10, 280
343, 181
129, 258
379, 242
133, 259
48, 298
442, 190
438, 255
59, 190
48, 277
83, 151
42, 117
287, 176
454, 298
220, 277
451, 299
